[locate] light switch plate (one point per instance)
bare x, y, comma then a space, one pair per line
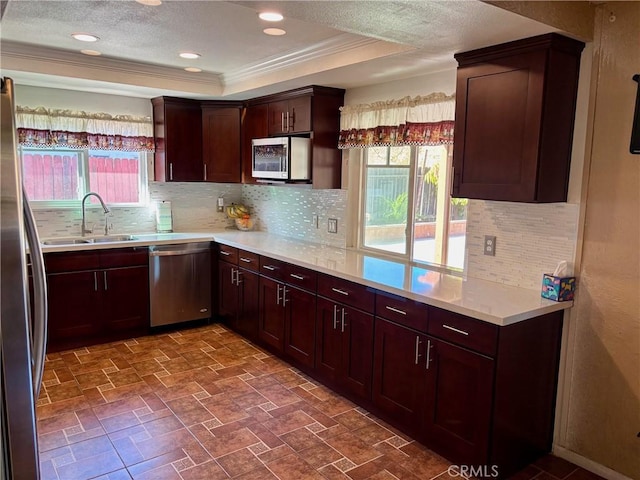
333, 225
490, 245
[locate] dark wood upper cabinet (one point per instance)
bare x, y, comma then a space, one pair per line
177, 127
515, 109
290, 116
221, 143
312, 111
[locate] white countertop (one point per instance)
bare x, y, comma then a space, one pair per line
489, 301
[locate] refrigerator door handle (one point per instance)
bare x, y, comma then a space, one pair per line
38, 325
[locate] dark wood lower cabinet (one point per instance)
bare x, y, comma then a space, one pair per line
344, 347
272, 313
400, 385
299, 341
96, 296
248, 312
459, 402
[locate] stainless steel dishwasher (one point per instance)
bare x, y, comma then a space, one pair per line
179, 282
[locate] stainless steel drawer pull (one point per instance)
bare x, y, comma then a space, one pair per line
297, 277
417, 348
222, 252
343, 315
278, 295
238, 281
95, 281
106, 287
233, 276
461, 332
170, 171
401, 312
284, 295
335, 317
245, 260
428, 353
269, 267
341, 292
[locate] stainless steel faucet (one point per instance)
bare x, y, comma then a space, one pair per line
104, 207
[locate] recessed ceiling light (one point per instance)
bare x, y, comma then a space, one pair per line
151, 3
274, 31
85, 37
189, 55
271, 16
193, 69
93, 53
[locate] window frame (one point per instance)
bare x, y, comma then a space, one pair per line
444, 192
83, 181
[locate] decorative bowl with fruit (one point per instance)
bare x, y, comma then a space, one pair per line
240, 213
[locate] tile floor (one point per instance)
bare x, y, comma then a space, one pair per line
206, 404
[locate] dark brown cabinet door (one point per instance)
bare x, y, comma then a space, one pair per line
221, 144
255, 124
515, 109
248, 303
278, 117
300, 115
125, 301
357, 350
227, 294
177, 127
400, 374
272, 314
74, 309
328, 340
299, 341
459, 416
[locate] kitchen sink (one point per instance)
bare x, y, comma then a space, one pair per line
82, 240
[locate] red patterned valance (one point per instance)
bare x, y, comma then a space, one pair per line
427, 120
62, 128
431, 133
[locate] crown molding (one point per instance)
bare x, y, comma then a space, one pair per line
23, 57
339, 50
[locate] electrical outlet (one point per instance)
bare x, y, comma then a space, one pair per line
220, 204
333, 225
315, 220
490, 245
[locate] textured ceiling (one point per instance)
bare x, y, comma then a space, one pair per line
342, 43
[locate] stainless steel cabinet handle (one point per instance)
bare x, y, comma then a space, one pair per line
453, 329
222, 252
233, 276
238, 281
170, 171
245, 260
335, 316
95, 281
288, 124
341, 292
104, 274
284, 295
282, 122
344, 314
428, 353
205, 171
417, 348
397, 310
297, 277
278, 295
269, 267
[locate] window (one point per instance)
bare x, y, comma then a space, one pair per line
406, 207
62, 177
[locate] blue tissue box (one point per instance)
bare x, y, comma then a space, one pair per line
559, 289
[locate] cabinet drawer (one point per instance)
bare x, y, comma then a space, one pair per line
71, 261
301, 277
467, 332
402, 310
228, 254
124, 257
270, 267
346, 292
249, 260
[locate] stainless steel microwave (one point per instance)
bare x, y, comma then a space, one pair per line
281, 158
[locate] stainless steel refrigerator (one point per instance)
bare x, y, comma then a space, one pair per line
22, 331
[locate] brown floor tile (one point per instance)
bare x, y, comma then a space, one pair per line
206, 404
555, 466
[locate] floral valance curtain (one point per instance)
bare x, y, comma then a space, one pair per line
41, 127
426, 120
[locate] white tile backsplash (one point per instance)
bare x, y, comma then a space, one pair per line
531, 240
